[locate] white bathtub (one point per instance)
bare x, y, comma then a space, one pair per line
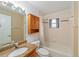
57, 53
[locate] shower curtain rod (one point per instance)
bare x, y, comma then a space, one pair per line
61, 20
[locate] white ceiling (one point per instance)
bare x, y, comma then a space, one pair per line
46, 7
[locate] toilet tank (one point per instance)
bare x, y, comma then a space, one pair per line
32, 37
37, 43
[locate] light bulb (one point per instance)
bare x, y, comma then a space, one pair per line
4, 3
13, 7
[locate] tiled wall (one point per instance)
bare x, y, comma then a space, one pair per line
60, 38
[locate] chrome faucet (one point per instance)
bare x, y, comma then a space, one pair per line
15, 44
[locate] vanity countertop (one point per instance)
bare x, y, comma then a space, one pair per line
31, 47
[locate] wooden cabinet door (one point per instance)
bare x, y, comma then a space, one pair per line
36, 22
37, 25
33, 24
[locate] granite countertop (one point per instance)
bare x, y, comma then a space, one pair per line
25, 54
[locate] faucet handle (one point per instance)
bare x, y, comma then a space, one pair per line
13, 42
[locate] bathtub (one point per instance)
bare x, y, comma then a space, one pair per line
58, 53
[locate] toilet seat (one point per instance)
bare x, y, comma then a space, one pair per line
43, 52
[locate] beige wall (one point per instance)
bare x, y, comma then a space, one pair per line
78, 29
17, 24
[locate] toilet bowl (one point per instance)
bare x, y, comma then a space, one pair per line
42, 52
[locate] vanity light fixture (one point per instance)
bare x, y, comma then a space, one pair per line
13, 7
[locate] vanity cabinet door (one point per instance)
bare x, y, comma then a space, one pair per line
34, 54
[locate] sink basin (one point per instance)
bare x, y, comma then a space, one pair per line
18, 52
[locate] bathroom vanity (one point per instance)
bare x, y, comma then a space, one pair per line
31, 52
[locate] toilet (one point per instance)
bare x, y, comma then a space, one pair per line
42, 52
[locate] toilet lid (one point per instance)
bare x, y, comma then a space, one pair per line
43, 51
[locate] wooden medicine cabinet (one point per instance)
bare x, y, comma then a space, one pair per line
33, 24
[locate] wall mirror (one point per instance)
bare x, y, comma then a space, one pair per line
11, 24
